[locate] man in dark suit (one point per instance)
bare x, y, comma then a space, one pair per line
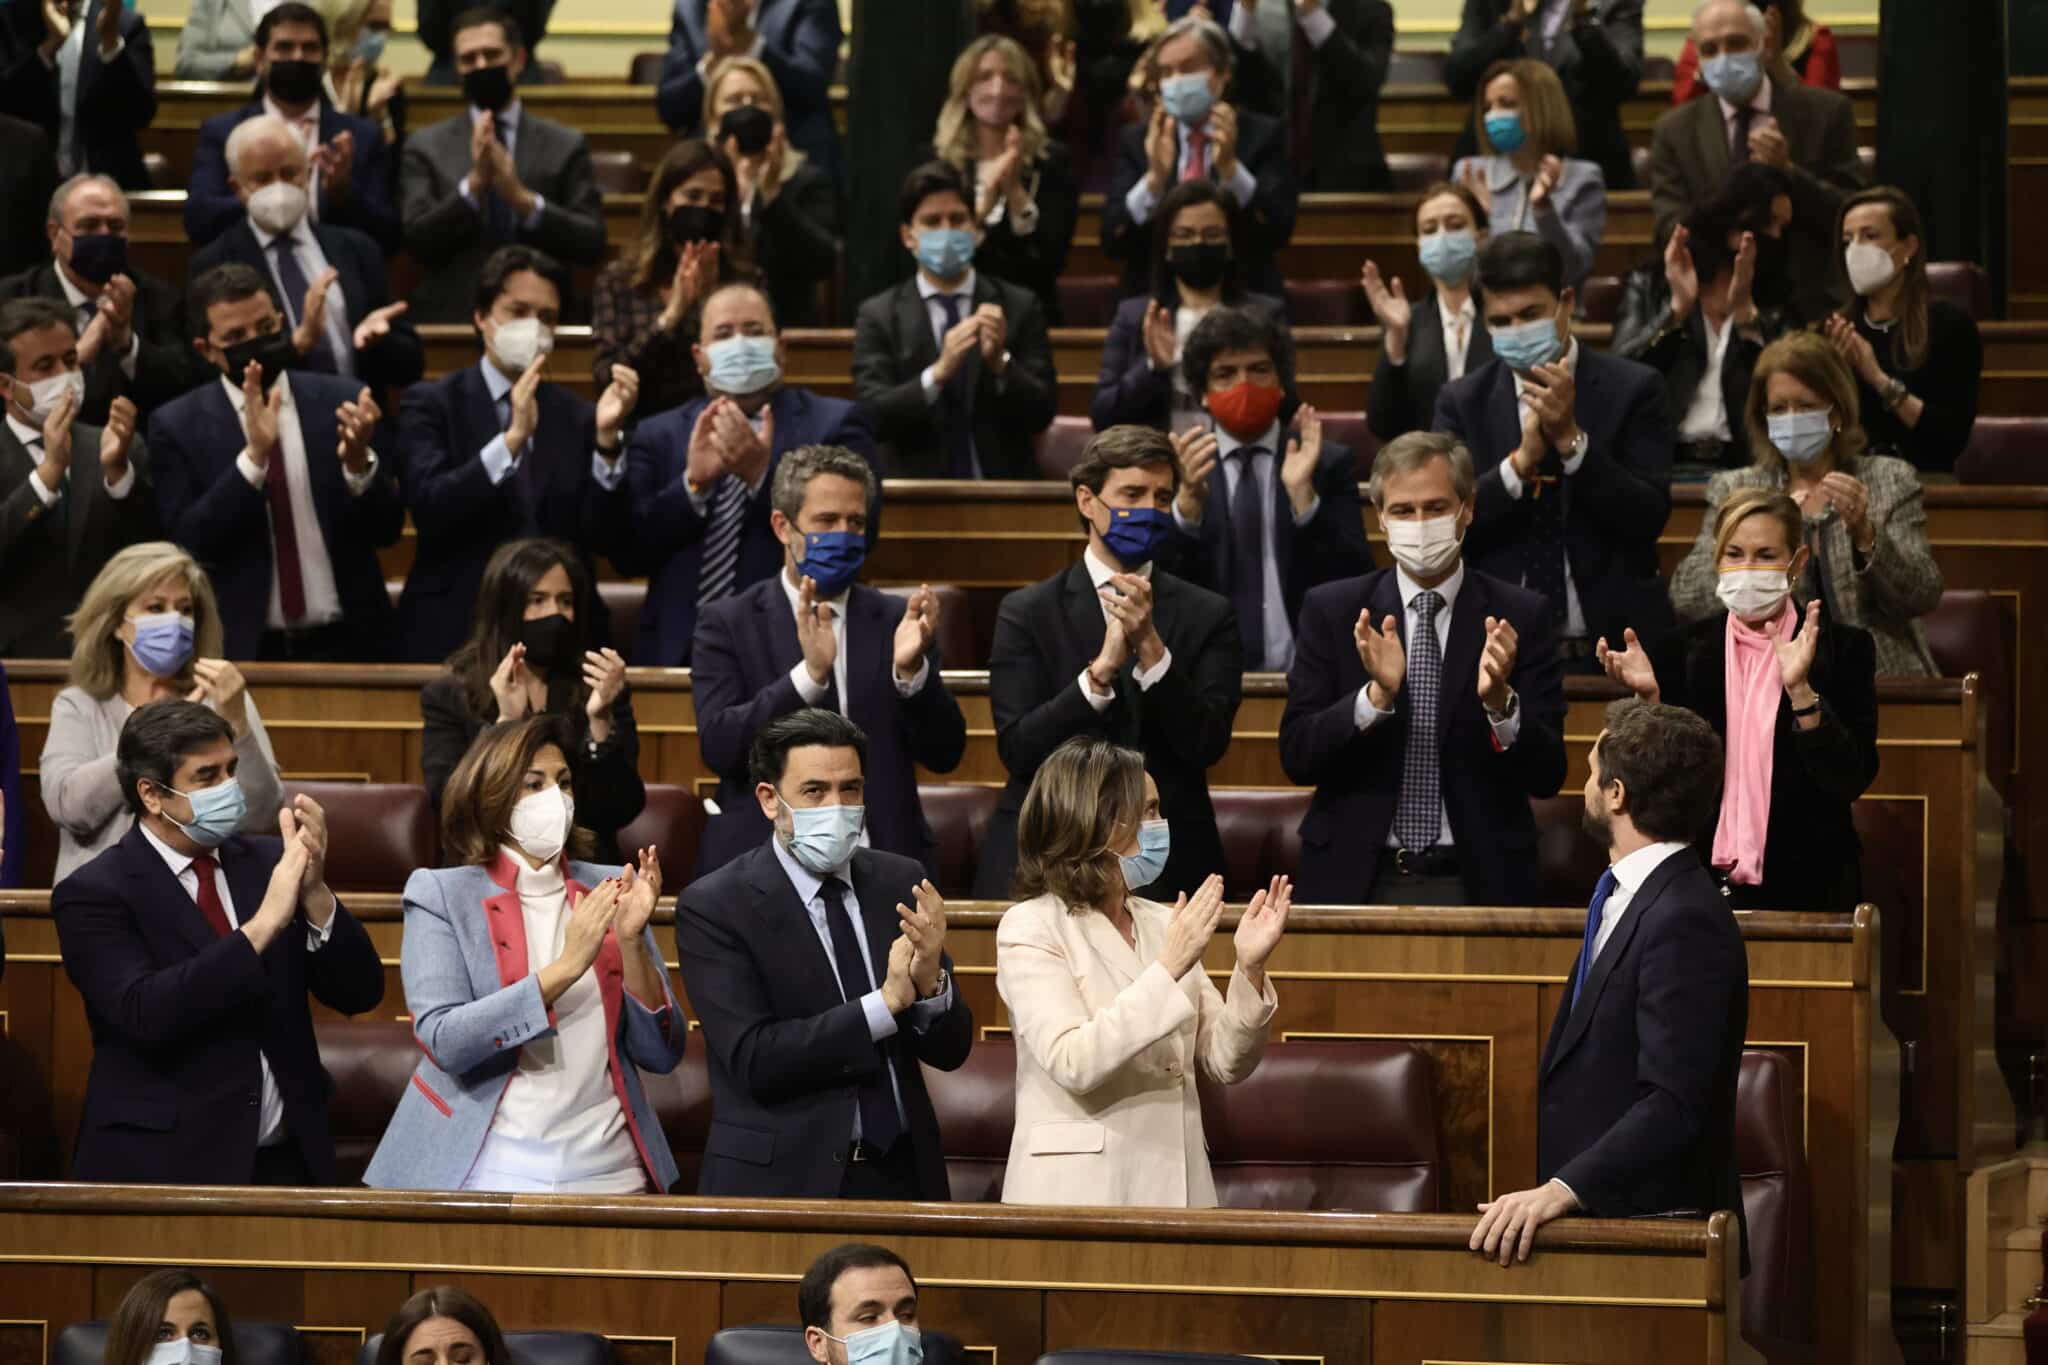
1339, 51
1636, 1100
194, 948
86, 75
436, 32
1596, 50
269, 479
954, 366
1573, 448
28, 177
1425, 706
495, 175
58, 526
1192, 135
494, 453
331, 279
132, 338
699, 474
350, 179
811, 636
1116, 649
1763, 112
1260, 517
817, 1005
797, 39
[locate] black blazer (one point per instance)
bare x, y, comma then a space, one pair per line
1128, 389
1599, 63
49, 557
210, 509
115, 99
1346, 75
165, 363
1035, 262
1636, 1100
180, 1015
394, 362
892, 345
1357, 776
739, 670
211, 207
1645, 332
460, 517
1812, 857
1403, 397
1615, 505
796, 244
28, 177
1268, 219
1045, 635
786, 1049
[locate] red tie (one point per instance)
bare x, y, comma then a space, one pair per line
291, 587
209, 896
1198, 156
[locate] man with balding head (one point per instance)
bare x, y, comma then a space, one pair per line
1757, 109
336, 293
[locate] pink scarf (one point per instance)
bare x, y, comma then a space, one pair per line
1749, 673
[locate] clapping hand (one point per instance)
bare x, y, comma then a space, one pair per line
1263, 921
1162, 150
638, 891
115, 439
696, 274
1161, 348
1795, 656
1630, 666
925, 928
219, 684
1390, 308
915, 631
1223, 141
1384, 657
1680, 274
335, 161
604, 673
616, 404
355, 424
1767, 144
56, 461
814, 632
525, 403
995, 338
1852, 346
1548, 172
1497, 664
1554, 394
313, 313
1128, 597
1195, 449
377, 324
1742, 283
304, 820
1473, 178
1304, 455
1193, 922
508, 684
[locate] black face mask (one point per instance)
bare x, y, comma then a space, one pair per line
1199, 265
293, 82
99, 256
488, 87
749, 126
551, 644
694, 223
274, 352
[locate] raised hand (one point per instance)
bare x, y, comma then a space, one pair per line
1384, 657
963, 339
1188, 931
313, 314
304, 819
356, 423
1223, 141
707, 459
1742, 283
814, 632
1767, 144
1473, 178
1630, 666
1852, 347
1128, 597
336, 160
281, 896
1497, 664
219, 684
56, 461
56, 27
1263, 921
915, 631
1851, 500
696, 274
1555, 394
377, 325
747, 449
116, 437
525, 401
508, 684
639, 889
1680, 273
1795, 656
590, 919
1162, 150
995, 336
1390, 308
481, 163
1195, 449
604, 673
1161, 349
108, 23
1304, 454
1548, 172
925, 928
1110, 659
616, 403
117, 306
259, 414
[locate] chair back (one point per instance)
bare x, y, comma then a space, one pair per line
977, 1110
1770, 1152
378, 833
257, 1343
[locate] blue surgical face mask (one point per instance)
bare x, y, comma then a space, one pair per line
1188, 98
832, 559
891, 1343
370, 45
1505, 131
823, 838
216, 813
1143, 867
1802, 437
1135, 534
1526, 345
163, 643
1733, 76
742, 365
945, 252
1448, 256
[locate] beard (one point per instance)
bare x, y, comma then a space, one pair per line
1599, 827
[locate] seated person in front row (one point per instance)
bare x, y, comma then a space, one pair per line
1573, 451
1261, 516
699, 475
1865, 515
330, 278
1425, 706
1636, 1095
1793, 690
1195, 270
812, 636
1427, 343
193, 949
1114, 649
1106, 991
532, 1080
443, 1324
529, 653
267, 475
953, 364
858, 1293
1191, 135
497, 452
819, 989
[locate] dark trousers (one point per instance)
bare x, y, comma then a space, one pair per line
283, 1164
892, 1176
1391, 886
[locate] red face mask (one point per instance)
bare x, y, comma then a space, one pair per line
1246, 410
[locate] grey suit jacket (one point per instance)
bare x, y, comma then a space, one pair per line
49, 556
215, 30
1577, 220
447, 232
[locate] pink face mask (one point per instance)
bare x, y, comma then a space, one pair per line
995, 100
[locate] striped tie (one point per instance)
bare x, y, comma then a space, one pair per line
721, 542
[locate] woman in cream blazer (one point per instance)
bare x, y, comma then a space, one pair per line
1112, 1013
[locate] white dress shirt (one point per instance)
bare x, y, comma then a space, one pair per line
32, 439
1099, 574
1140, 201
1365, 715
812, 691
84, 306
1760, 102
500, 462
1629, 875
1278, 629
335, 321
1457, 335
1316, 26
270, 1129
306, 127
508, 133
1574, 614
70, 60
1706, 415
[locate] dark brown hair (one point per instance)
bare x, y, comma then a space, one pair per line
651, 257
1083, 805
1481, 220
476, 806
132, 1330
1668, 761
1909, 341
443, 1302
814, 1294
500, 608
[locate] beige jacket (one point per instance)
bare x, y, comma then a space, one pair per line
1107, 1050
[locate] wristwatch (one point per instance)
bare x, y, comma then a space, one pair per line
945, 984
1578, 446
1509, 712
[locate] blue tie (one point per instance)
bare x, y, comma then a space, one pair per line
1601, 891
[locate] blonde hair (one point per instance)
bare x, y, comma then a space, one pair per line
1084, 804
1808, 358
954, 140
98, 654
1753, 502
758, 69
1547, 122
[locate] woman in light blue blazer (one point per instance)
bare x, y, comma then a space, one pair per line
536, 991
1529, 181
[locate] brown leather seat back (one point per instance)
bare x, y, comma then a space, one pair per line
1973, 632
1060, 445
1894, 836
1349, 428
1415, 172
673, 821
377, 832
1570, 863
977, 1108
959, 816
623, 599
645, 68
1328, 1125
615, 171
371, 1062
1089, 300
1600, 296
1325, 303
2005, 450
1962, 283
956, 624
1261, 832
1770, 1152
682, 1101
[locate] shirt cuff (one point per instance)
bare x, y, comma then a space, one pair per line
358, 484
700, 502
1571, 466
1241, 28
317, 934
107, 54
931, 384
907, 688
1316, 25
925, 1013
1363, 713
498, 459
881, 1023
1304, 517
46, 496
132, 354
807, 687
250, 470
462, 188
1242, 186
1025, 223
123, 486
1147, 676
532, 220
1508, 729
1099, 700
609, 470
1186, 527
1140, 201
1511, 479
1570, 1191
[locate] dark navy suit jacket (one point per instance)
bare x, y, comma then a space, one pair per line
211, 208
668, 533
115, 99
179, 1015
800, 44
739, 670
210, 509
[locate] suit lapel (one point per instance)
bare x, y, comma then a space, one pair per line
161, 891
913, 322
1109, 946
1428, 348
81, 491
1580, 1016
789, 929
526, 148
1503, 412
1461, 652
866, 624
1082, 612
1711, 136
780, 624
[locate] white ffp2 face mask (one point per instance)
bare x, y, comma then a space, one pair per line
277, 208
45, 394
183, 1351
1424, 548
541, 822
1753, 593
1870, 267
520, 342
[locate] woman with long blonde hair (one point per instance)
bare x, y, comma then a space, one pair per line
787, 204
148, 628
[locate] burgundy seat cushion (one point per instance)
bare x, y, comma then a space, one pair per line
1771, 1155
1261, 832
1060, 446
959, 816
1325, 303
1570, 862
2005, 450
377, 832
1349, 428
673, 821
977, 1108
1962, 283
956, 625
623, 599
1600, 295
370, 1062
